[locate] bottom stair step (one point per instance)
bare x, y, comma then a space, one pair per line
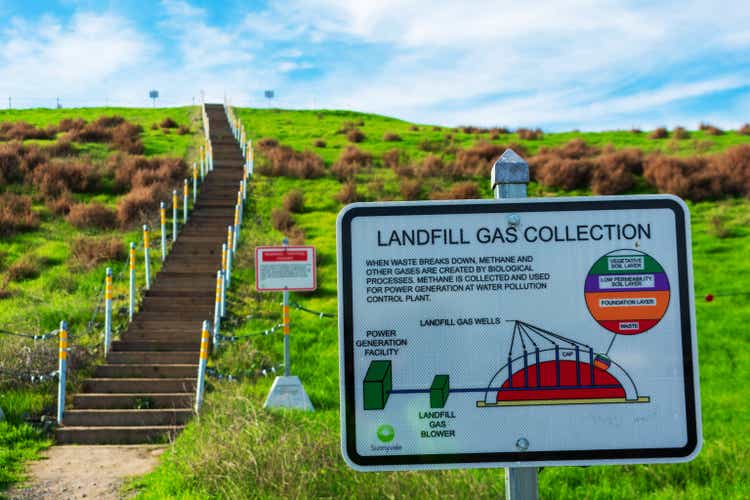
125, 417
116, 434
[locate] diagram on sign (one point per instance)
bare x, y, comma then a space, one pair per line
626, 292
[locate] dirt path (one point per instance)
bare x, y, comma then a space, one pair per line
95, 472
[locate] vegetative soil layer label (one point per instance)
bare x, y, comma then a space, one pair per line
493, 333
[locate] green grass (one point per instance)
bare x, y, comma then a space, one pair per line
299, 129
60, 290
237, 450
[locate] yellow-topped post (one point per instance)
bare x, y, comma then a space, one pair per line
146, 256
163, 225
131, 303
202, 360
62, 368
107, 311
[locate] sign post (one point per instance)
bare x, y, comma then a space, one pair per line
517, 333
284, 269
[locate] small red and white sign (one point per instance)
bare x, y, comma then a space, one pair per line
285, 268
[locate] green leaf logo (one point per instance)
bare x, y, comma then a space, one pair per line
386, 433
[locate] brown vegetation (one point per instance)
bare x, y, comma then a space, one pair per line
59, 175
679, 133
276, 160
86, 253
744, 130
391, 137
411, 189
530, 134
348, 193
91, 216
459, 191
27, 267
319, 143
351, 161
477, 160
140, 204
16, 214
294, 201
710, 129
355, 135
659, 133
281, 219
168, 123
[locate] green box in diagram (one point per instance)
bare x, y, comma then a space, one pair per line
542, 332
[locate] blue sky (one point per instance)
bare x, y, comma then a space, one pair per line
588, 65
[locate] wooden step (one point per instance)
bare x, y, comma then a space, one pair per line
150, 370
126, 417
117, 435
133, 401
149, 357
138, 385
156, 345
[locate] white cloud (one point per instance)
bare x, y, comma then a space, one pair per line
48, 57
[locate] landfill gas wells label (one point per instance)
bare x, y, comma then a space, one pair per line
285, 268
488, 333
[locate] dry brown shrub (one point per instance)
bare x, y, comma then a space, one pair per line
565, 173
611, 176
109, 121
16, 214
61, 204
411, 189
68, 124
138, 171
348, 125
679, 133
281, 219
92, 216
127, 138
702, 146
140, 204
319, 143
744, 130
59, 175
393, 158
33, 156
734, 166
690, 178
10, 163
355, 135
528, 134
659, 133
351, 161
183, 130
574, 149
275, 160
294, 201
86, 253
477, 160
60, 148
636, 131
168, 123
21, 131
348, 193
432, 166
27, 267
459, 191
414, 128
710, 129
437, 128
391, 137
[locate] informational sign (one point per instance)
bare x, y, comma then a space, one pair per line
282, 268
510, 333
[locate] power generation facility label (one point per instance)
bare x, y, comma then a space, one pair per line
537, 331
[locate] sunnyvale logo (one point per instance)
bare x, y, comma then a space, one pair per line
386, 433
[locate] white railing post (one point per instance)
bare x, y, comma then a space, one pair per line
185, 195
202, 360
195, 184
146, 256
62, 369
163, 220
230, 245
107, 311
131, 302
224, 279
174, 215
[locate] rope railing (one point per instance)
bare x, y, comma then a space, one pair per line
319, 314
32, 336
33, 378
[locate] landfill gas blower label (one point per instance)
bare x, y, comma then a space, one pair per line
487, 333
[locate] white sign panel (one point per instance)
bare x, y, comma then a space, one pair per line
285, 268
504, 333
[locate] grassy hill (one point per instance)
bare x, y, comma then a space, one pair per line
237, 450
53, 168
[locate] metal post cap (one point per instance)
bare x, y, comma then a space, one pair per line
510, 168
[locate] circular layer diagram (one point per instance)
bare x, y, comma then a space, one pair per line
627, 292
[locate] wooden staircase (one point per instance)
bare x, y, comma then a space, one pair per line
146, 389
